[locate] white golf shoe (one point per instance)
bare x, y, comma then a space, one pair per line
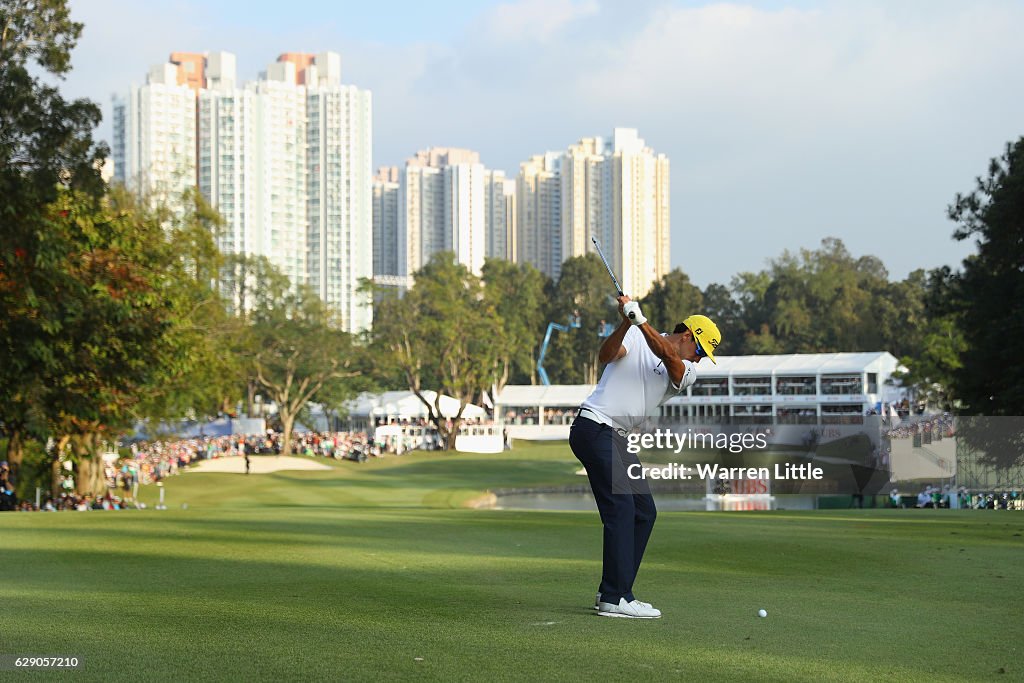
629, 610
597, 602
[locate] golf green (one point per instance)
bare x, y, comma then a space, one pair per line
373, 571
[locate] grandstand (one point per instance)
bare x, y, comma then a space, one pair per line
819, 388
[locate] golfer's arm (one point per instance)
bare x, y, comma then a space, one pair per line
612, 348
663, 350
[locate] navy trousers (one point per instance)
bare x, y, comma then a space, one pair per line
628, 517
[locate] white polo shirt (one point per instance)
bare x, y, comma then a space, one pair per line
632, 387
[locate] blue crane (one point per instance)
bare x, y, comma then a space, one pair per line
604, 330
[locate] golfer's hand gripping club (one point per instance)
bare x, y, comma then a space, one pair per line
632, 311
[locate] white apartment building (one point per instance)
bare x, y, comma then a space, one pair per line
227, 172
118, 146
500, 218
539, 213
616, 190
279, 158
421, 216
640, 212
586, 191
385, 222
285, 159
155, 136
340, 232
252, 164
441, 206
465, 232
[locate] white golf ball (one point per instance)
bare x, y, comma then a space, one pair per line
762, 613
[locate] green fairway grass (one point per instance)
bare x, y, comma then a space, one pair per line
373, 571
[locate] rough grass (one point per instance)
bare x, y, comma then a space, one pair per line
371, 572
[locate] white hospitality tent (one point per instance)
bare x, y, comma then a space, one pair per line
367, 408
816, 387
801, 364
535, 403
535, 411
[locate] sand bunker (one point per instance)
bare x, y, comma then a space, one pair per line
260, 464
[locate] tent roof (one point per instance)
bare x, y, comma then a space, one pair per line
800, 364
406, 404
792, 364
540, 395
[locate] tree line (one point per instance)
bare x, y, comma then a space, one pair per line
488, 329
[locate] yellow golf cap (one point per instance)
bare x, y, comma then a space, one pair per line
706, 332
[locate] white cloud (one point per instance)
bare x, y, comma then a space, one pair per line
786, 126
532, 20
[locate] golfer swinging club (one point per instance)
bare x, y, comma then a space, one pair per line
644, 369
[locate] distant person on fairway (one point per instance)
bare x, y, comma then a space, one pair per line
644, 369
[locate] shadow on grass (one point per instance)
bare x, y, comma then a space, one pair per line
537, 535
462, 473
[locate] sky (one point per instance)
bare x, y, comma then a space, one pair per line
784, 122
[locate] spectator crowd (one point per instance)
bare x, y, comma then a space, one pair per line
935, 427
150, 462
948, 497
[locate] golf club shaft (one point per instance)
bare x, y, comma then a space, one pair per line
600, 253
615, 280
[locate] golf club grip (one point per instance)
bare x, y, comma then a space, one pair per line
631, 316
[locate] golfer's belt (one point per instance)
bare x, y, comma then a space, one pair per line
598, 419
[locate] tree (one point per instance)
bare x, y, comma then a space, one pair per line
751, 292
115, 314
923, 331
111, 319
206, 363
517, 294
583, 290
248, 283
302, 355
251, 282
45, 143
816, 301
822, 300
44, 140
990, 380
899, 314
671, 300
444, 334
720, 306
933, 365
